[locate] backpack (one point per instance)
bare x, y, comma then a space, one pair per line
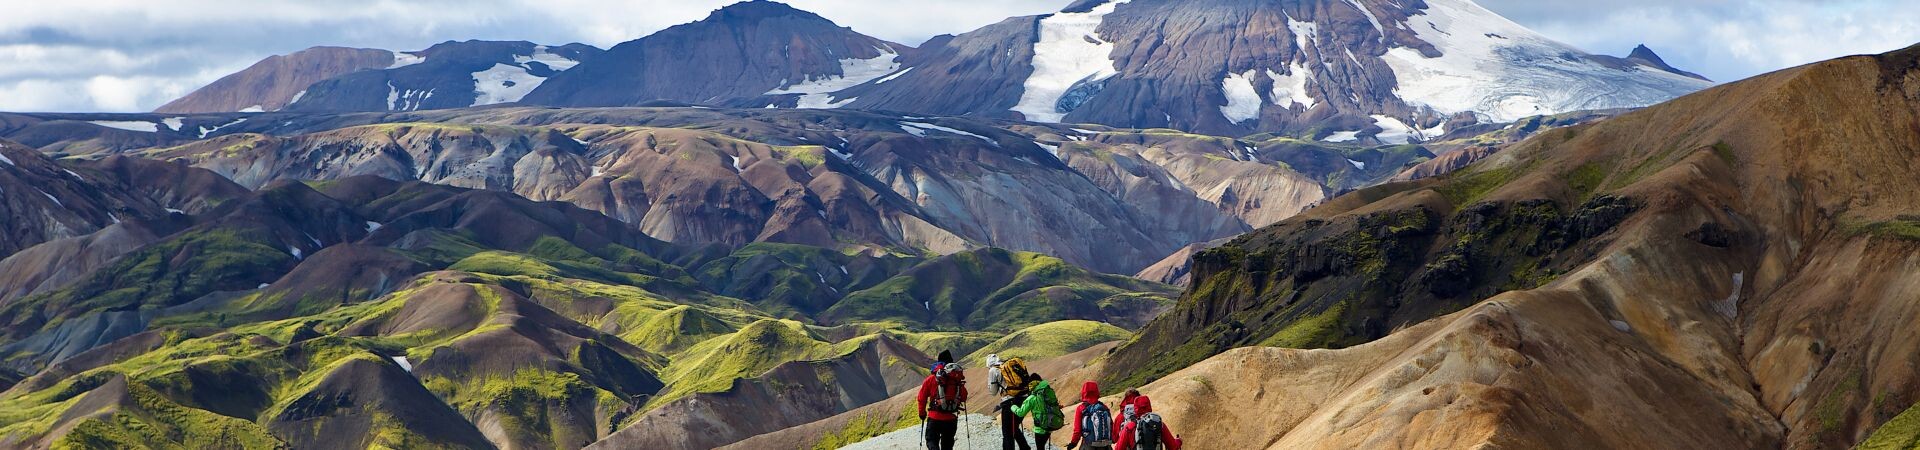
1096, 425
1049, 417
945, 393
1146, 432
1013, 375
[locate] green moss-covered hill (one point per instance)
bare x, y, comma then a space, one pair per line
363, 312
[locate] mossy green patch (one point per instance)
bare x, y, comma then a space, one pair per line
1052, 339
1901, 433
867, 426
1312, 331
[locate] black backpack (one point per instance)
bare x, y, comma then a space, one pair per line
1146, 432
1096, 425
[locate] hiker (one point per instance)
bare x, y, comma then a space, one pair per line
1124, 411
1044, 406
1146, 431
1092, 421
1009, 380
943, 396
995, 385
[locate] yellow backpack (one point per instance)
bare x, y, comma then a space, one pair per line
1013, 375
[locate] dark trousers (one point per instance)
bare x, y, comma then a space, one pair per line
940, 434
1041, 438
1010, 435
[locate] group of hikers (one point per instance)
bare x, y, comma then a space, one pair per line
1130, 425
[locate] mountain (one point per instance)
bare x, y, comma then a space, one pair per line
841, 179
1373, 71
1383, 71
1734, 268
408, 314
447, 75
751, 49
327, 79
272, 83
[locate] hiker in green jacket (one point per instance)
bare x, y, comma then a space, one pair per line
1045, 409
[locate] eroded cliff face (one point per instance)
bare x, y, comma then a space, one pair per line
1113, 199
1757, 294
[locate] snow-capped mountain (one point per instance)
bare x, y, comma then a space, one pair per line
757, 53
333, 79
270, 84
447, 75
1341, 70
1368, 71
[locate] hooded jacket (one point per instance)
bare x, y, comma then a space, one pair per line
956, 385
1089, 394
1035, 402
1141, 406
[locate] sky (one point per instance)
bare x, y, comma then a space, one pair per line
134, 55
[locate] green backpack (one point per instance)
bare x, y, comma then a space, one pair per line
1049, 417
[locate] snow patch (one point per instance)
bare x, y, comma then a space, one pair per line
508, 83
404, 363
173, 123
50, 197
262, 286
1357, 164
1622, 326
295, 251
1243, 102
1303, 33
175, 211
892, 77
818, 93
1053, 149
1370, 17
736, 163
1396, 131
1343, 136
129, 125
206, 130
296, 98
923, 127
1069, 53
503, 84
1291, 88
371, 226
401, 59
8, 161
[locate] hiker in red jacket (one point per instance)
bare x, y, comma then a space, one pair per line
1092, 420
1146, 431
943, 396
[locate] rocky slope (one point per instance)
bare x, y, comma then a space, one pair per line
1730, 269
272, 83
757, 49
842, 179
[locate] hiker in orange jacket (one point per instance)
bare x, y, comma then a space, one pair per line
1092, 420
1146, 431
943, 396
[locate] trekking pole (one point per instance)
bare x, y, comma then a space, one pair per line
923, 431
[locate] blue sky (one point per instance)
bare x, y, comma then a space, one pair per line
133, 55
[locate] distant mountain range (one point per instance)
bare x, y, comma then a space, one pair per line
1375, 71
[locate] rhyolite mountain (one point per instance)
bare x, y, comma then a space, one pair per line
756, 49
1373, 71
851, 180
1735, 268
453, 74
272, 83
